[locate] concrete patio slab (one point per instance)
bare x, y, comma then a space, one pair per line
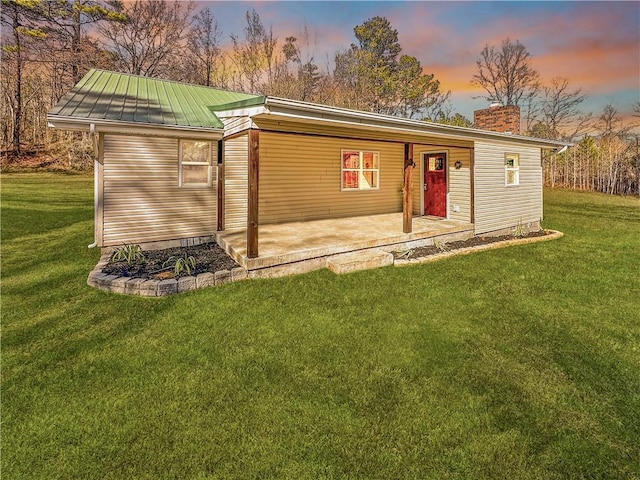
297, 243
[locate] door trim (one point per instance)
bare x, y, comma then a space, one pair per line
423, 154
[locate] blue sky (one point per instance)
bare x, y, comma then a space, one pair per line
596, 45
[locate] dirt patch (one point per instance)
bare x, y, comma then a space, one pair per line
209, 257
422, 252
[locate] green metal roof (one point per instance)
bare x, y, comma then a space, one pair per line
248, 102
103, 95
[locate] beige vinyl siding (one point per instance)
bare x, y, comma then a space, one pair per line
496, 205
142, 201
356, 132
416, 181
300, 178
236, 155
458, 181
460, 184
233, 125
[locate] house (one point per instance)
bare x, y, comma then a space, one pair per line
279, 181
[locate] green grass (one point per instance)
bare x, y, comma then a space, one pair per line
518, 363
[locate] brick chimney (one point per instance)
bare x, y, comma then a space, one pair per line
498, 118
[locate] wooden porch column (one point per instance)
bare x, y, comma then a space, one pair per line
252, 202
407, 201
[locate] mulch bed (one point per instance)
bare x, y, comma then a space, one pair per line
421, 252
209, 257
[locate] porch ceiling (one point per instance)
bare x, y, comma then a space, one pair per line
287, 243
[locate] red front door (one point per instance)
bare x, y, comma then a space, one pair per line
435, 184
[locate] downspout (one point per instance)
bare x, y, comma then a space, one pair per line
92, 135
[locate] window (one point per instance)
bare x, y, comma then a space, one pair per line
360, 170
436, 163
195, 163
512, 169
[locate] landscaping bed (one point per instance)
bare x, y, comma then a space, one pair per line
160, 264
439, 248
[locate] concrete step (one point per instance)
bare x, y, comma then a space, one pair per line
360, 260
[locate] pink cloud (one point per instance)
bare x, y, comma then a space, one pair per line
579, 51
596, 45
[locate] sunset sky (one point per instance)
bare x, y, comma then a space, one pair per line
596, 45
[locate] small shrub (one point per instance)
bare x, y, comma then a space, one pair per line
128, 253
181, 264
442, 247
519, 230
405, 253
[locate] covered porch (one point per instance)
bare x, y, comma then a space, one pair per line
311, 242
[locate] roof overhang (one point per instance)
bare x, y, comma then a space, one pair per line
132, 128
258, 100
279, 108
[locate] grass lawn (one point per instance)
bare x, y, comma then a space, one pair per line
518, 363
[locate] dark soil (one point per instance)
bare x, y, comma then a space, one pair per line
209, 257
421, 252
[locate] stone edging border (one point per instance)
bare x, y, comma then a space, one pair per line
159, 288
400, 262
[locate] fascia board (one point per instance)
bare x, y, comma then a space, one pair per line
322, 113
131, 128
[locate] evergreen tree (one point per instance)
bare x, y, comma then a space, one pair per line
374, 76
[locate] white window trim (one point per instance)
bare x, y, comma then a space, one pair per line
508, 169
360, 170
209, 164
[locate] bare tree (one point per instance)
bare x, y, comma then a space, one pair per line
608, 161
505, 73
269, 43
610, 123
283, 82
294, 74
309, 76
152, 40
615, 150
21, 19
561, 117
250, 56
203, 46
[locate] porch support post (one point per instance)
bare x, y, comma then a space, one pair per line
252, 202
407, 201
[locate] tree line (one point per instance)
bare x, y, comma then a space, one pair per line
606, 152
48, 45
